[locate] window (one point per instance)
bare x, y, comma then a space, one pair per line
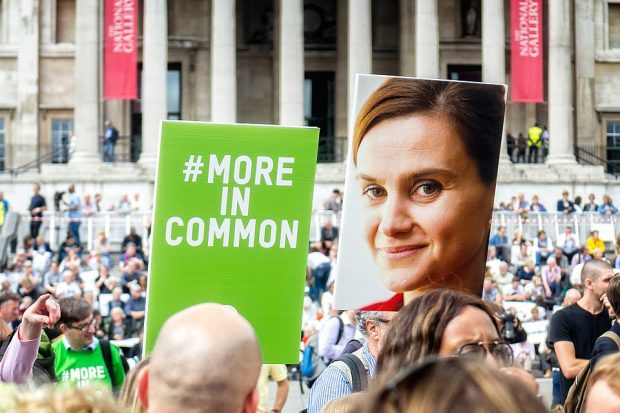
173, 105
174, 91
613, 146
319, 112
61, 145
2, 145
613, 22
471, 73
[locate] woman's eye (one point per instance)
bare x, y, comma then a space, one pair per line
427, 189
374, 191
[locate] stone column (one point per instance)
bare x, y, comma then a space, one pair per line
584, 68
340, 87
560, 84
86, 119
426, 39
359, 50
407, 38
25, 144
154, 72
291, 56
493, 52
223, 62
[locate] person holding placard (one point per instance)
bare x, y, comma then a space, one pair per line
425, 154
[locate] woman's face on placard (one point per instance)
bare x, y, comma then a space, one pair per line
426, 210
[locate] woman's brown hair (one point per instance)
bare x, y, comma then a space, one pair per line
417, 331
475, 110
452, 384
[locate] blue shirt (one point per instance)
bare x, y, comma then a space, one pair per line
334, 383
74, 200
497, 240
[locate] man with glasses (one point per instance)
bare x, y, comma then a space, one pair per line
80, 356
337, 379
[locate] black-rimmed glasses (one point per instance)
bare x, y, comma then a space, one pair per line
85, 328
500, 350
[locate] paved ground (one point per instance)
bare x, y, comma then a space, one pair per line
297, 401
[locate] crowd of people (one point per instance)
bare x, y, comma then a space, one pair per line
67, 306
564, 205
535, 145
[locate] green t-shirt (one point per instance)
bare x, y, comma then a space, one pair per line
85, 367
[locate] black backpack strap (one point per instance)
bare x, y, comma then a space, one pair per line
107, 358
340, 329
359, 378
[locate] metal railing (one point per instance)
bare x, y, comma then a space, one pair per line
607, 156
553, 223
332, 149
115, 224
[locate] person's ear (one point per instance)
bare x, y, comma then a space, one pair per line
251, 401
63, 328
371, 327
143, 387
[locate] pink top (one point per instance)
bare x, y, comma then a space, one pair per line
16, 365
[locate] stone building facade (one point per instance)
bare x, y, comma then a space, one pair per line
291, 62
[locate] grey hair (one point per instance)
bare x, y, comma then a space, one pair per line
363, 316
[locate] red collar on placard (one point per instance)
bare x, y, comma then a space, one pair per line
393, 304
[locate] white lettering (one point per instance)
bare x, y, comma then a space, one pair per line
176, 241
195, 241
216, 231
219, 168
263, 171
240, 201
247, 170
280, 181
288, 234
224, 201
242, 232
267, 243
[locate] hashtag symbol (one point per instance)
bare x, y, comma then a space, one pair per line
193, 168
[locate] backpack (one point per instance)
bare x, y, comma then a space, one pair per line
43, 371
107, 358
359, 378
575, 401
312, 364
114, 135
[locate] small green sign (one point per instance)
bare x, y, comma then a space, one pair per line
231, 225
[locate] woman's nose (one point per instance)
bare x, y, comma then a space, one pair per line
397, 218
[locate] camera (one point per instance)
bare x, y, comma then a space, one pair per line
508, 327
58, 199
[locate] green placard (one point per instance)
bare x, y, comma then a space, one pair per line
231, 225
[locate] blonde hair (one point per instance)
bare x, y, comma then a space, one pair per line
51, 399
116, 310
345, 404
474, 387
607, 370
128, 397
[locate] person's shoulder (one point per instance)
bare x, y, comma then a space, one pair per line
565, 314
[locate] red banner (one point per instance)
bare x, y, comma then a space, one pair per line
120, 50
526, 50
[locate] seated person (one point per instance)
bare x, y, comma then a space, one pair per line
135, 308
514, 291
119, 327
131, 274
